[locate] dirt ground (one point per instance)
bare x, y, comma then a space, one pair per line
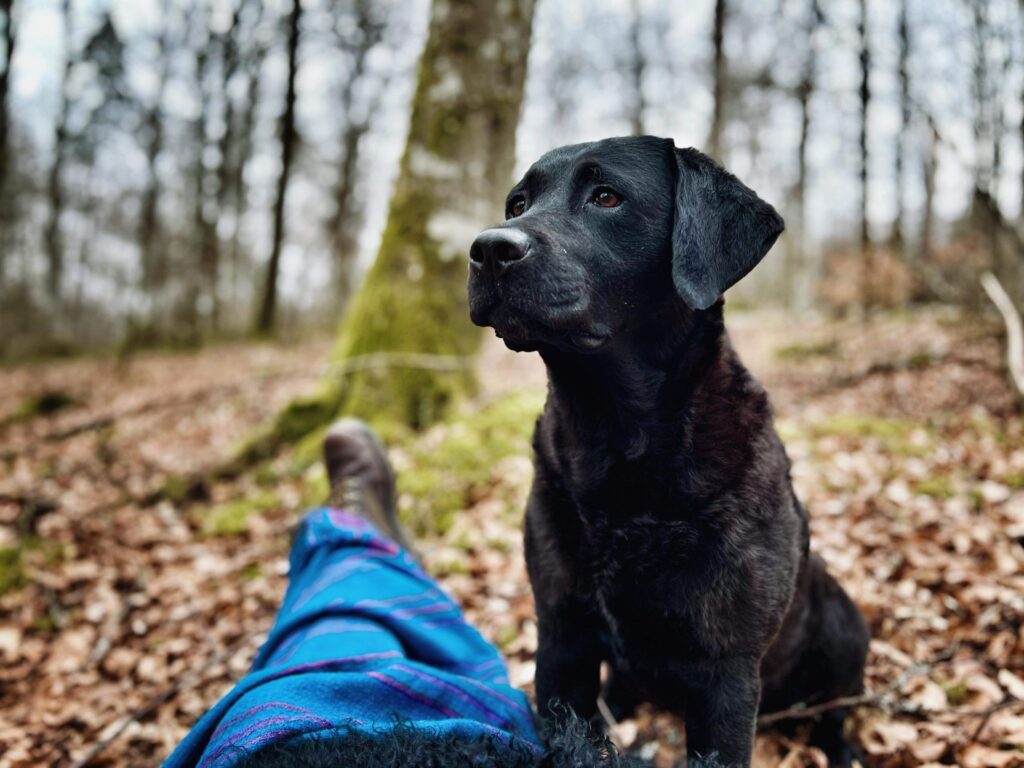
132, 597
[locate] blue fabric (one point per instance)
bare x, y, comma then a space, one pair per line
363, 636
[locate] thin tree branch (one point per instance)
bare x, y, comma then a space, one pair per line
1014, 331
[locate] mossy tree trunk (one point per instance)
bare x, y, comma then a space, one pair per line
453, 177
454, 174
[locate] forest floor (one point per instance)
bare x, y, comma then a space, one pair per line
132, 595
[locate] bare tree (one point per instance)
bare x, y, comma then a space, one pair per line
346, 218
796, 251
903, 75
252, 66
864, 92
268, 303
636, 68
150, 236
719, 86
9, 39
53, 239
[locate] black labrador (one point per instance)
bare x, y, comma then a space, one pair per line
662, 532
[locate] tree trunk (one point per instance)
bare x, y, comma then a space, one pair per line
344, 224
796, 266
54, 242
268, 304
929, 169
6, 204
244, 150
150, 237
903, 75
7, 20
865, 102
637, 66
453, 177
718, 82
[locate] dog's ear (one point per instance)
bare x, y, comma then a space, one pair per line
721, 230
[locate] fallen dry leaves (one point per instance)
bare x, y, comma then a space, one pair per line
127, 615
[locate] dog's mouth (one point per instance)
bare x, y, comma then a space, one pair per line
526, 333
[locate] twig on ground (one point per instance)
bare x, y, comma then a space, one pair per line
376, 360
876, 698
1014, 330
183, 682
986, 714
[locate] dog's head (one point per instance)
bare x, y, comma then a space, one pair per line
599, 236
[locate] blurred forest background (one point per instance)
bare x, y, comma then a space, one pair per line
183, 171
225, 222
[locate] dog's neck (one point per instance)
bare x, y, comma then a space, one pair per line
640, 387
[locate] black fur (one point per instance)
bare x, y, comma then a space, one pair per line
662, 532
404, 746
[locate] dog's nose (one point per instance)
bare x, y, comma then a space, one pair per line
499, 246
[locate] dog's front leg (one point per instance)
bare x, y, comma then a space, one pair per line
568, 661
721, 709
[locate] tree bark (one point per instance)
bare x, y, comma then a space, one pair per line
268, 304
9, 40
6, 204
865, 101
903, 75
452, 180
52, 237
150, 237
637, 67
718, 81
796, 254
344, 223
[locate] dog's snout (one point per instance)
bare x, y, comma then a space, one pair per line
499, 247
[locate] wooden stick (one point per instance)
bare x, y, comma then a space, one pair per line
1014, 330
185, 681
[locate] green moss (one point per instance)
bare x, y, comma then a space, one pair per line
1015, 480
897, 436
956, 692
232, 517
12, 572
507, 635
920, 360
251, 572
939, 487
30, 550
449, 472
46, 403
811, 351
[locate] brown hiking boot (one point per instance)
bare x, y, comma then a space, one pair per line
361, 478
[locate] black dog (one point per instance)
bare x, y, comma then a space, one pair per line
662, 532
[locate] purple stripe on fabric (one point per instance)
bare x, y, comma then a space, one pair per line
333, 574
500, 697
267, 705
497, 717
391, 602
238, 740
408, 613
326, 665
439, 623
327, 627
414, 695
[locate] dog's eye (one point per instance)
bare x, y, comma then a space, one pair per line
516, 207
606, 198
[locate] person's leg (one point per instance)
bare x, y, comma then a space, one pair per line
355, 586
364, 637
